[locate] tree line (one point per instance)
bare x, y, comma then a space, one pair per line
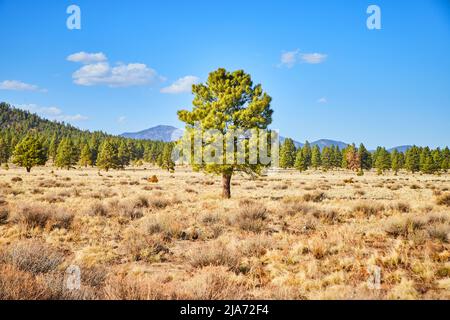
415, 159
28, 141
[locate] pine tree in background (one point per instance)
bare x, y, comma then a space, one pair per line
352, 158
166, 162
383, 160
4, 151
412, 159
396, 164
108, 156
316, 160
327, 158
53, 147
287, 154
300, 161
337, 157
85, 156
124, 155
67, 154
30, 152
307, 155
365, 158
424, 155
445, 164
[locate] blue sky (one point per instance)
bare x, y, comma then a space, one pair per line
328, 74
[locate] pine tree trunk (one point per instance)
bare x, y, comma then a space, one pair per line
28, 169
226, 186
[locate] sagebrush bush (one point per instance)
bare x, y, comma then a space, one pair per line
314, 197
215, 254
444, 200
33, 216
32, 256
4, 214
251, 216
368, 209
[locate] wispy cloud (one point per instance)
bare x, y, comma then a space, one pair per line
291, 58
313, 58
52, 113
182, 85
87, 58
121, 119
16, 85
99, 72
322, 100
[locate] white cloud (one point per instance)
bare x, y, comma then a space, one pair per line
322, 100
19, 86
87, 58
181, 85
52, 113
97, 71
313, 58
291, 58
121, 119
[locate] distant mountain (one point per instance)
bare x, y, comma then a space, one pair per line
400, 149
328, 143
169, 133
158, 133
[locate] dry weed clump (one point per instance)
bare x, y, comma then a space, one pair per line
214, 283
215, 253
32, 216
16, 284
4, 214
32, 256
314, 197
251, 216
444, 200
369, 209
434, 227
142, 247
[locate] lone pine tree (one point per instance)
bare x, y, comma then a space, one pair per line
227, 101
30, 152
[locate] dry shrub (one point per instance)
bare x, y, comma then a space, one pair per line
326, 215
435, 227
32, 256
153, 179
170, 225
124, 287
444, 200
16, 179
213, 283
215, 254
414, 187
4, 214
251, 216
62, 219
158, 202
16, 284
349, 180
32, 216
401, 207
292, 208
97, 208
255, 247
142, 247
53, 198
314, 197
368, 209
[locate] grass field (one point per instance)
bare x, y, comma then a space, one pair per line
288, 235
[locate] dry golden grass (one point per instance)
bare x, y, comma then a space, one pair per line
143, 233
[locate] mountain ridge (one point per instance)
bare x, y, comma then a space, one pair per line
167, 133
